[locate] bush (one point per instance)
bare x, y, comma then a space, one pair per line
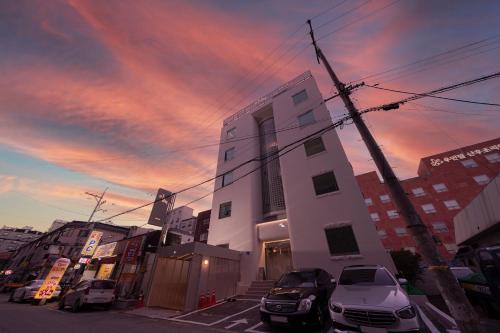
407, 264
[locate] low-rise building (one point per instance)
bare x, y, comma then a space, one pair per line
11, 238
202, 226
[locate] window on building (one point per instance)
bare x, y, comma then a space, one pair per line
482, 179
299, 97
382, 234
341, 240
227, 178
368, 201
418, 192
385, 198
231, 133
439, 227
306, 118
225, 209
452, 204
314, 146
429, 208
401, 232
493, 158
440, 187
469, 163
375, 217
229, 154
325, 183
392, 214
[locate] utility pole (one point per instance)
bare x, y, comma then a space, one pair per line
451, 291
99, 202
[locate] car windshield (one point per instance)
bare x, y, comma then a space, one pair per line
103, 284
366, 277
297, 280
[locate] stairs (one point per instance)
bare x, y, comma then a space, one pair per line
257, 289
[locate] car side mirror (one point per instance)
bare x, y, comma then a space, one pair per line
403, 281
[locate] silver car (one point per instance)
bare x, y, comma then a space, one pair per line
28, 292
89, 292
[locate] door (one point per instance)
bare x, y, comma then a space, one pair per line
278, 259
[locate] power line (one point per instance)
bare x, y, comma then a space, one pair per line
341, 15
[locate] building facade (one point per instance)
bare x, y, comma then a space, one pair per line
12, 238
445, 184
303, 209
202, 226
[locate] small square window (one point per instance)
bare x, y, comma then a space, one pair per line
385, 198
314, 146
368, 202
440, 227
306, 118
440, 187
299, 97
392, 214
382, 234
229, 154
225, 209
231, 133
375, 217
452, 204
469, 163
325, 183
482, 179
341, 240
401, 232
418, 192
227, 179
493, 158
429, 208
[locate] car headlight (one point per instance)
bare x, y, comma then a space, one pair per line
335, 307
407, 312
306, 303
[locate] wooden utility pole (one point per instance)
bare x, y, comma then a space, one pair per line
451, 291
99, 202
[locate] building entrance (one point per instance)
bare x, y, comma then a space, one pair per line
278, 259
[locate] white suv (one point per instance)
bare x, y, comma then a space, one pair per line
370, 296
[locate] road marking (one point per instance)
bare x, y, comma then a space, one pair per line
441, 313
196, 311
427, 321
253, 328
215, 322
234, 315
237, 322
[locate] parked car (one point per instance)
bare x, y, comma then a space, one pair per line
370, 296
28, 291
89, 292
298, 298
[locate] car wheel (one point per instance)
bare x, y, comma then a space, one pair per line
21, 297
11, 297
76, 306
60, 304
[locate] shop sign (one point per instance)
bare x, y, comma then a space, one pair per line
105, 250
132, 250
52, 279
84, 261
92, 243
457, 157
105, 271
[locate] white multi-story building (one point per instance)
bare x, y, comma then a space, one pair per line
304, 209
178, 215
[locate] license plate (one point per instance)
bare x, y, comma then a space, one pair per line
279, 319
366, 329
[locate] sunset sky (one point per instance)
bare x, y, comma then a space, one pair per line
121, 94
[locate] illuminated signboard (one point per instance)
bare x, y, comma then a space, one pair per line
462, 156
105, 250
92, 243
52, 279
105, 271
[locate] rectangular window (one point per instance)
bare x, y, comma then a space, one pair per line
231, 133
229, 154
382, 234
493, 158
225, 209
227, 178
401, 232
469, 163
482, 179
341, 241
439, 227
452, 204
314, 146
418, 192
368, 201
392, 214
385, 198
299, 97
325, 183
375, 217
429, 208
306, 118
440, 187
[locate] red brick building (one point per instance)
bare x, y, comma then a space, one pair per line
445, 184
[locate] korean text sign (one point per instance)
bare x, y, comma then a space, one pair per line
55, 275
92, 243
